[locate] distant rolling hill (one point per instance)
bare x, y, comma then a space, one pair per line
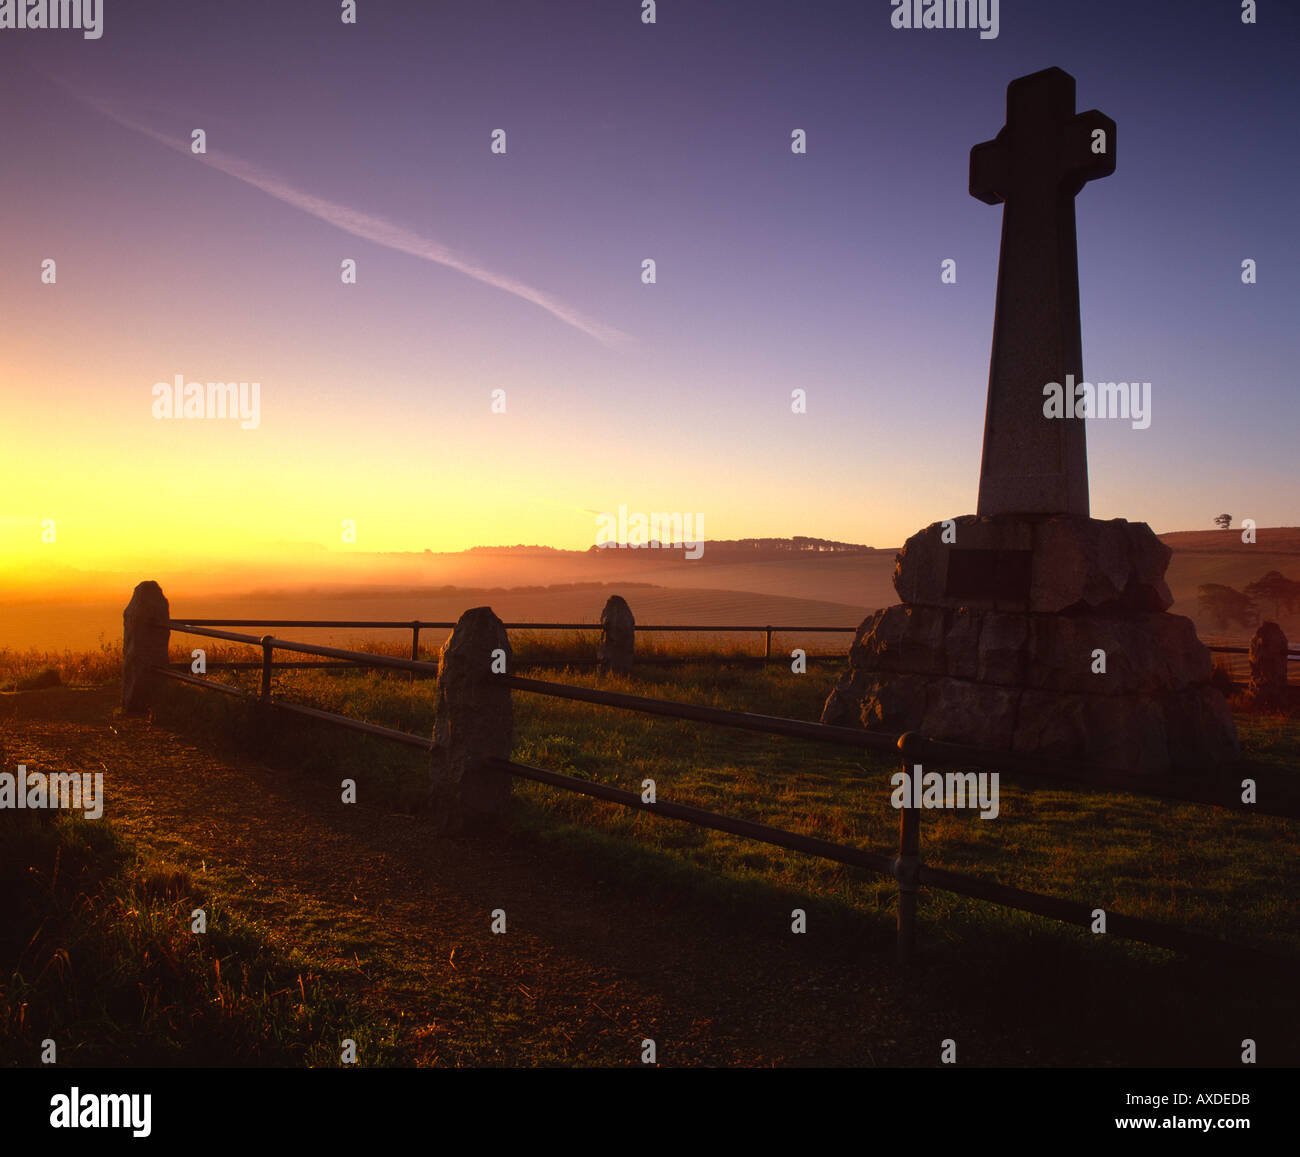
802, 587
1219, 556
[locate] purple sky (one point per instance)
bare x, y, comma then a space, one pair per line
625, 142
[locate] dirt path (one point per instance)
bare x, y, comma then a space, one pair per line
587, 968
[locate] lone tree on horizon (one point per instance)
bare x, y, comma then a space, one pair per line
1224, 521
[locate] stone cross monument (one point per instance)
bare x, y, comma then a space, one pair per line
1030, 626
1035, 166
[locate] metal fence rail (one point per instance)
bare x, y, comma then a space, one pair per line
1063, 911
745, 720
1217, 792
1221, 793
415, 626
905, 867
408, 624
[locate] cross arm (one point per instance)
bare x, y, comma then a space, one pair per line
990, 170
1088, 149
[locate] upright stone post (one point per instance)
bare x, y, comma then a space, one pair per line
617, 636
473, 720
145, 635
1268, 650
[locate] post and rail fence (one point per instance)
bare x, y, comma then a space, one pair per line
471, 770
415, 626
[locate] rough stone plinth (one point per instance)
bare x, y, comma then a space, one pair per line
145, 635
1268, 651
617, 636
1074, 564
1125, 691
473, 720
1139, 733
1143, 652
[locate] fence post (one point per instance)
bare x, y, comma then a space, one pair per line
473, 720
767, 654
415, 644
1268, 660
617, 636
267, 658
145, 635
907, 864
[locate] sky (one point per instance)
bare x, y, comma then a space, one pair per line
479, 271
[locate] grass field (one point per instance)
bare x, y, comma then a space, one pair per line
99, 959
1200, 868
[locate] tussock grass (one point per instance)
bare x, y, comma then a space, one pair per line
25, 670
42, 680
97, 954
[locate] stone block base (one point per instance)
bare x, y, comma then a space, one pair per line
1040, 563
1126, 691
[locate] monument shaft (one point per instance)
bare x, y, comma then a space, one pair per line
1032, 463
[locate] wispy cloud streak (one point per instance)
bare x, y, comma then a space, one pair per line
366, 226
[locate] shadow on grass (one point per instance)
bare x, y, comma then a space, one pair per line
102, 963
1010, 988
